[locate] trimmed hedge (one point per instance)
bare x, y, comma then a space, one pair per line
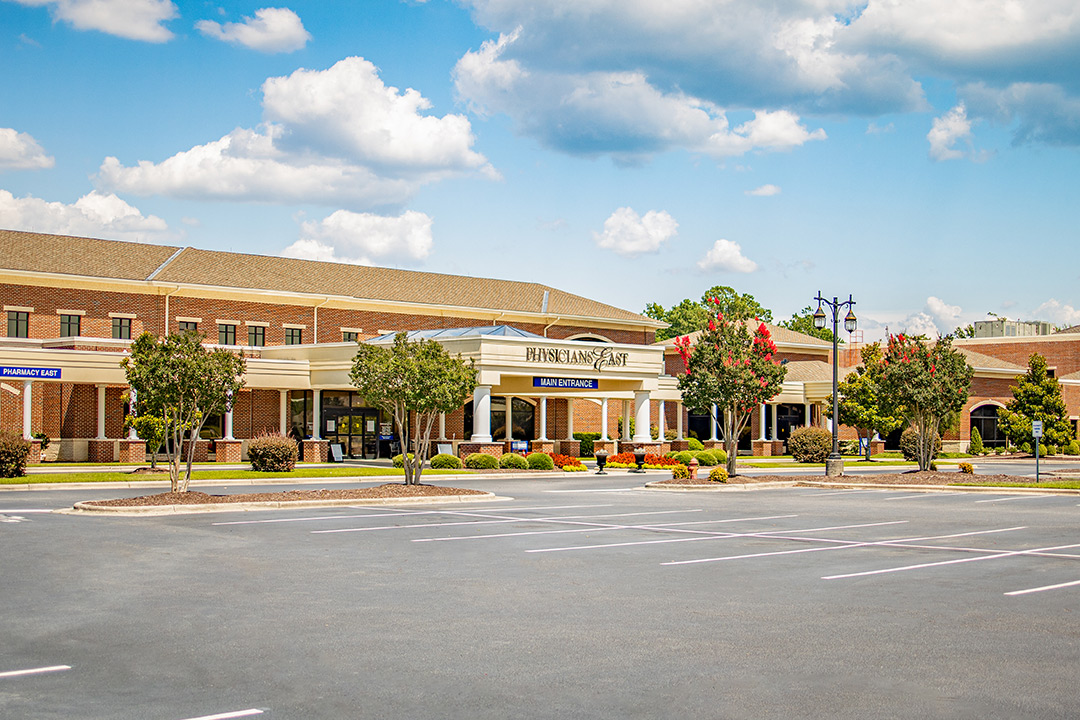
273, 452
481, 461
540, 461
680, 472
445, 461
718, 474
14, 452
399, 460
810, 444
683, 456
695, 444
513, 461
705, 458
586, 439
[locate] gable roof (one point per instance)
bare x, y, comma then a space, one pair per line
979, 360
111, 259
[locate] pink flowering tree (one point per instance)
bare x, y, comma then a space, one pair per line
924, 383
732, 368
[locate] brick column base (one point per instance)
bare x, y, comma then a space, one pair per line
100, 451
650, 448
607, 446
34, 458
877, 446
466, 449
314, 450
569, 447
132, 452
202, 451
680, 445
544, 446
767, 448
227, 451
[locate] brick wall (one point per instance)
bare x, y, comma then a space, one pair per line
45, 323
1064, 355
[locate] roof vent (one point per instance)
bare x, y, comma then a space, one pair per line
543, 305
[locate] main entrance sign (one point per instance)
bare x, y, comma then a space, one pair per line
598, 358
566, 383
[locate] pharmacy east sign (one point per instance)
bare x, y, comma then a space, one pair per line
597, 358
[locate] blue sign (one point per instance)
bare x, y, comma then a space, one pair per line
566, 383
25, 373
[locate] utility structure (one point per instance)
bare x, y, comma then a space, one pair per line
834, 464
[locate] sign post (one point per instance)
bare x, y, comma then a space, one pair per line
1037, 432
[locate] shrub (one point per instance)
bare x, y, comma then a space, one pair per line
272, 452
683, 456
481, 461
718, 474
561, 461
975, 447
999, 451
43, 438
540, 461
967, 468
848, 447
720, 455
14, 452
909, 444
574, 468
1051, 449
810, 444
513, 461
1073, 448
670, 435
695, 444
399, 460
1026, 448
705, 458
445, 461
586, 440
680, 472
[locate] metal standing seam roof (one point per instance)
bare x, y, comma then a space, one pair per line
111, 259
480, 331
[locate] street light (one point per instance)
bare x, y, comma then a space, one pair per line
834, 464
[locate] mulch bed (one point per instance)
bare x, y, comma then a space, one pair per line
192, 497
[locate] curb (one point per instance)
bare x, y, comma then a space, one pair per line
940, 488
719, 487
83, 508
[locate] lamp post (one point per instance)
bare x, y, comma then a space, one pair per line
834, 464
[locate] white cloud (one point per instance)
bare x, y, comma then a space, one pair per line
630, 234
20, 151
946, 315
364, 239
920, 323
727, 255
951, 128
131, 19
616, 113
333, 137
765, 191
95, 214
1042, 112
1058, 313
272, 30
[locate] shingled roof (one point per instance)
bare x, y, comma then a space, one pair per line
780, 336
136, 261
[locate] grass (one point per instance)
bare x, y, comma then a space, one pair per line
1054, 484
847, 461
101, 477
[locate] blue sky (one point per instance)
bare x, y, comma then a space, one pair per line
919, 155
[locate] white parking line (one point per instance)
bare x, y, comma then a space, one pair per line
227, 715
592, 490
22, 511
405, 513
34, 671
933, 493
920, 566
1012, 497
497, 521
592, 528
1044, 588
843, 492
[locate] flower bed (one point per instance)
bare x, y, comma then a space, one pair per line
652, 462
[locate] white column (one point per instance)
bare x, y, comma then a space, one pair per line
762, 421
569, 418
27, 407
603, 420
625, 421
661, 422
807, 406
481, 417
641, 417
712, 423
100, 412
678, 421
131, 431
543, 419
442, 426
228, 421
316, 414
509, 417
775, 436
283, 412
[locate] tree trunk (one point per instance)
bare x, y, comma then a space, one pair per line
869, 437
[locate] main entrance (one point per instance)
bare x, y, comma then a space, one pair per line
355, 427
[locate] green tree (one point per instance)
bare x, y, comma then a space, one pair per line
732, 369
926, 384
419, 379
185, 384
149, 427
690, 316
965, 331
803, 322
861, 405
1036, 396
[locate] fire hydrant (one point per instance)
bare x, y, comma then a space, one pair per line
693, 466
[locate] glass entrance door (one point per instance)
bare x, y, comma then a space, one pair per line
356, 429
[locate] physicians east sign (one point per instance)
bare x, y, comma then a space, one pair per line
597, 358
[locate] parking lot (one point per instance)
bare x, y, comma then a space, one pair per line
578, 597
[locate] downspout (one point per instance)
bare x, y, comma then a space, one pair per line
557, 319
315, 322
165, 327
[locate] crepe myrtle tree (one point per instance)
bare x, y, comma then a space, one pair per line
184, 384
418, 379
861, 404
1036, 396
926, 384
732, 369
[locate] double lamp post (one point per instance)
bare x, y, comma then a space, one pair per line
834, 464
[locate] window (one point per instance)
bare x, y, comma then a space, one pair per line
121, 328
349, 336
985, 419
69, 325
188, 326
18, 324
256, 335
226, 334
294, 336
